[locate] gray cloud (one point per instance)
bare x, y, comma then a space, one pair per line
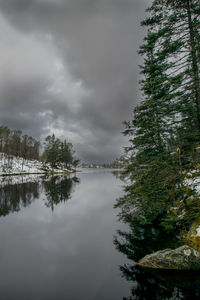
71, 67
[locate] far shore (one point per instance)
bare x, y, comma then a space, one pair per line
39, 173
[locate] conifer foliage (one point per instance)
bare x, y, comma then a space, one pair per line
165, 129
58, 152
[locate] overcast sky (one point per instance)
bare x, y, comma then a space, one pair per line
70, 67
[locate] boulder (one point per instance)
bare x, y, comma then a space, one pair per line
182, 258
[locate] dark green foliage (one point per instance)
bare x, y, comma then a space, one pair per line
165, 129
58, 153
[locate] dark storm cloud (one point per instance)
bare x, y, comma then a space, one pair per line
87, 83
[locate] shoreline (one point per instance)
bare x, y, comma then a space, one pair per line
19, 167
38, 173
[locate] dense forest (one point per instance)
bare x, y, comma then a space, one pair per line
55, 151
164, 134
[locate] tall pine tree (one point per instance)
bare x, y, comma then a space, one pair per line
165, 128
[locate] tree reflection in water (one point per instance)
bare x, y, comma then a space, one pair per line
14, 196
58, 189
151, 283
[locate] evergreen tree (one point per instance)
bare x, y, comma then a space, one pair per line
165, 129
58, 153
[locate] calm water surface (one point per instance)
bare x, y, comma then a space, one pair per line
57, 238
60, 239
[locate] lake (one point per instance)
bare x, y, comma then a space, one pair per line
61, 239
57, 238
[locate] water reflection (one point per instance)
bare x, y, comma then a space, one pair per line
67, 253
58, 189
19, 192
13, 197
119, 174
149, 283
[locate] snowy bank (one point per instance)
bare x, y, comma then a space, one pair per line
11, 165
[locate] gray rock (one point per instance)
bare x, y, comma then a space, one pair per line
182, 258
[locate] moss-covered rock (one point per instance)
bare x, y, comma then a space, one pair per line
182, 258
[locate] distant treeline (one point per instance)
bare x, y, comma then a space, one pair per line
56, 152
12, 142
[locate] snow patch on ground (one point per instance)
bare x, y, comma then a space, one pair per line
11, 165
193, 182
